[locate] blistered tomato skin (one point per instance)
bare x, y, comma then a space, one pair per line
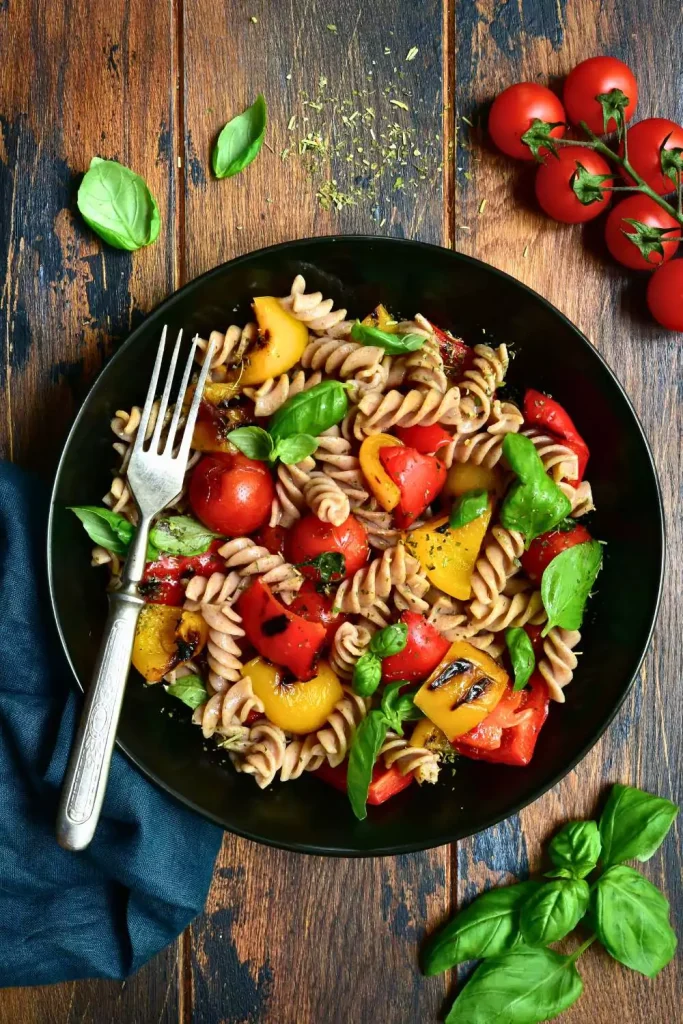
231, 494
310, 537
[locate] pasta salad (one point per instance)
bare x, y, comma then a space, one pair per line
376, 563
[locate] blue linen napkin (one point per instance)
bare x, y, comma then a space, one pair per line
104, 912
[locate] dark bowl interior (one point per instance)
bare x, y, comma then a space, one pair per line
479, 303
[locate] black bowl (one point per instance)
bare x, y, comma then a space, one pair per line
479, 303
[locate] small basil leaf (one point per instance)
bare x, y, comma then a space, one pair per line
190, 690
395, 344
525, 986
331, 565
468, 507
293, 449
310, 412
559, 873
254, 442
181, 535
108, 529
488, 927
367, 675
240, 140
399, 707
521, 655
118, 205
634, 824
567, 582
365, 746
390, 640
533, 504
631, 918
576, 849
553, 911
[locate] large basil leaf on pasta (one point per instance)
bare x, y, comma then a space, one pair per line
310, 412
399, 707
291, 450
118, 205
631, 918
365, 746
108, 529
367, 674
533, 504
395, 344
522, 655
190, 690
181, 535
567, 582
240, 140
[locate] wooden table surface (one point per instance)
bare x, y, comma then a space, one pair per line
288, 939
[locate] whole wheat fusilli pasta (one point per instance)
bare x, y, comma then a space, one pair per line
302, 754
290, 499
335, 737
326, 499
423, 763
559, 660
226, 709
317, 313
559, 461
265, 753
580, 496
250, 559
506, 612
347, 360
368, 586
350, 642
274, 392
499, 560
378, 413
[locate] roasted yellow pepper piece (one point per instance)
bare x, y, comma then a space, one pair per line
218, 416
449, 558
282, 340
379, 481
293, 705
164, 637
462, 690
382, 319
465, 476
426, 734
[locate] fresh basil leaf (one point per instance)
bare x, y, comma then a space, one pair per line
395, 344
118, 205
489, 926
576, 849
367, 675
190, 690
240, 140
567, 582
331, 565
365, 746
534, 504
399, 707
390, 640
521, 655
634, 824
181, 535
553, 911
310, 412
108, 529
525, 986
631, 918
467, 507
293, 449
254, 442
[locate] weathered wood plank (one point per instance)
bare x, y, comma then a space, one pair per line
497, 45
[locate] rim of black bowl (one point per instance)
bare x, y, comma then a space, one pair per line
450, 837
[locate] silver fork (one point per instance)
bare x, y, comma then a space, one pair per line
155, 476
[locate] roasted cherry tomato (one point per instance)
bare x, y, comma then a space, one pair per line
456, 355
424, 649
513, 112
309, 537
645, 210
231, 493
595, 77
271, 537
162, 580
385, 783
646, 142
426, 440
419, 478
554, 185
665, 295
310, 604
278, 634
543, 549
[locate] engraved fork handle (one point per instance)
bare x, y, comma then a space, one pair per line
86, 776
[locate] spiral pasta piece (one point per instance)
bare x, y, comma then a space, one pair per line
506, 612
423, 368
484, 448
302, 754
290, 499
326, 499
559, 660
103, 556
350, 642
217, 589
360, 594
229, 348
580, 496
274, 392
333, 454
250, 559
312, 309
119, 499
335, 737
479, 385
499, 560
347, 360
421, 762
378, 526
411, 595
560, 462
224, 654
265, 753
378, 413
226, 709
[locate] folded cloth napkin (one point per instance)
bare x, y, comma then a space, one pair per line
105, 911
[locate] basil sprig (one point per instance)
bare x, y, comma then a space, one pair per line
567, 582
467, 508
173, 535
240, 140
109, 529
256, 443
534, 504
394, 344
118, 205
368, 669
181, 535
522, 655
190, 690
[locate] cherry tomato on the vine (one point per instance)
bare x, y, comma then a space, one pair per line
665, 295
645, 143
595, 77
513, 112
554, 189
640, 208
230, 493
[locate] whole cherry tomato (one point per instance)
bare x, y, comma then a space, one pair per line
645, 210
646, 141
309, 537
554, 185
543, 549
513, 112
317, 607
231, 493
595, 77
424, 649
665, 295
273, 538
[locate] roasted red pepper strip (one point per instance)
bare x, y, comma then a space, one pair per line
457, 356
418, 477
426, 440
162, 579
278, 634
541, 411
517, 744
317, 607
386, 782
543, 549
489, 733
424, 649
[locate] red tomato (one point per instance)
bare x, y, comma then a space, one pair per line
645, 210
231, 493
457, 356
424, 649
543, 549
315, 607
645, 143
594, 77
665, 295
514, 110
554, 181
273, 538
426, 440
162, 580
419, 478
309, 537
